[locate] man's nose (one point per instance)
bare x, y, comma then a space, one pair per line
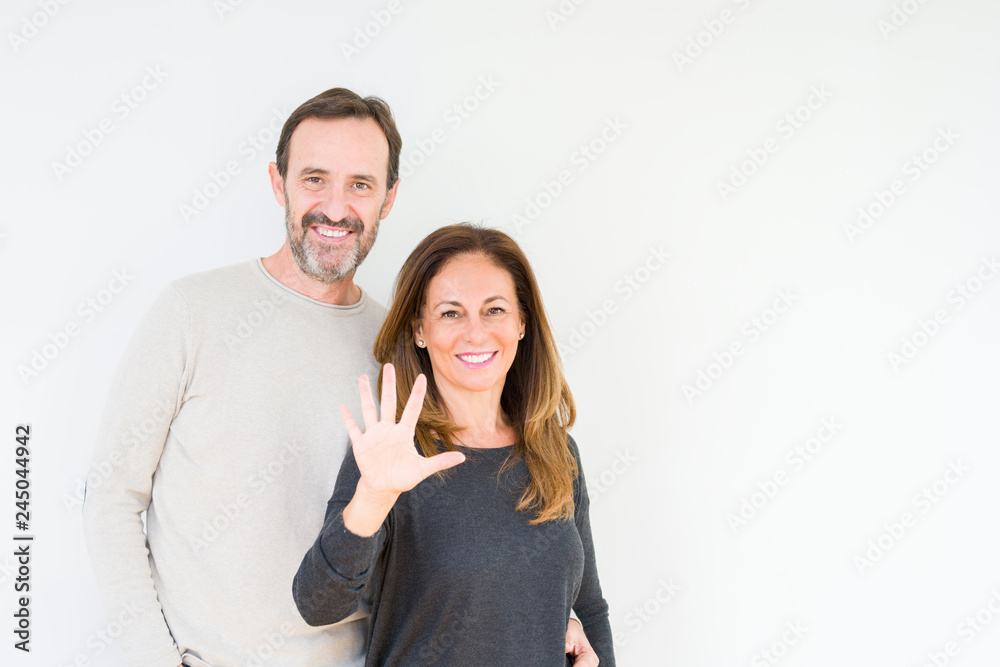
334, 205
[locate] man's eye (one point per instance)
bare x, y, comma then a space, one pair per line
362, 186
313, 180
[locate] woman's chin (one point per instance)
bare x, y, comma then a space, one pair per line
476, 385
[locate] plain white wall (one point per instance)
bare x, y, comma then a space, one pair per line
714, 535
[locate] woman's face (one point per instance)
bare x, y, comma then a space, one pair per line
470, 325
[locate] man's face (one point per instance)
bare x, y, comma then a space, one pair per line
334, 194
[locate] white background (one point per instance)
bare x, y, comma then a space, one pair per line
694, 98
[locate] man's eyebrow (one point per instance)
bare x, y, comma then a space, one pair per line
319, 171
308, 171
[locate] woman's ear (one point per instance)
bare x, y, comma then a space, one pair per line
418, 332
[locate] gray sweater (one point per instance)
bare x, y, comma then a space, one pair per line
456, 575
222, 423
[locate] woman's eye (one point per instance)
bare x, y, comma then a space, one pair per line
496, 310
449, 313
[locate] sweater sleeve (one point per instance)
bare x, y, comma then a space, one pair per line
590, 605
145, 395
335, 572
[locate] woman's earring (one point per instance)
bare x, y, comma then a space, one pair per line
521, 337
420, 343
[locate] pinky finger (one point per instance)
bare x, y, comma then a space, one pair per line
352, 426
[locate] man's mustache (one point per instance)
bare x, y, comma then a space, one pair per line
349, 223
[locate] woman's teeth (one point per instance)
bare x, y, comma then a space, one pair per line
475, 358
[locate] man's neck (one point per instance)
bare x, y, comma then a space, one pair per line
283, 268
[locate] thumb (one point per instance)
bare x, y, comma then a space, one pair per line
440, 462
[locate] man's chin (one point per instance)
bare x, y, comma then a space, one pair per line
328, 275
330, 271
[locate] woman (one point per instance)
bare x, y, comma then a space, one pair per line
476, 543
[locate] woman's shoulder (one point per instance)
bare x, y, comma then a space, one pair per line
581, 498
573, 447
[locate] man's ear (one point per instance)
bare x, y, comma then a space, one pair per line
277, 183
390, 199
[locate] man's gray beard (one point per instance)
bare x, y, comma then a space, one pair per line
309, 261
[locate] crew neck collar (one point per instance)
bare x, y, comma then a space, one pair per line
354, 307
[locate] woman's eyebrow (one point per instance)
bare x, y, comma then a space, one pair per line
456, 303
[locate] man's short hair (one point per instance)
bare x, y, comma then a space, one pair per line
344, 103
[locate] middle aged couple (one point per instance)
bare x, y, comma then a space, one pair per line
460, 513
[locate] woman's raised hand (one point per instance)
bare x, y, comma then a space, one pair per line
385, 453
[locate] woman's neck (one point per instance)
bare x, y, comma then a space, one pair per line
502, 436
481, 422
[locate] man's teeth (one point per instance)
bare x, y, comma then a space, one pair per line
332, 233
475, 358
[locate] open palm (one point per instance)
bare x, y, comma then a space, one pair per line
385, 453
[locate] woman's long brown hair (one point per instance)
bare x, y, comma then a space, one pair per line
535, 399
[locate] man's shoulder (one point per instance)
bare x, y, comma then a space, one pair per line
247, 284
225, 288
378, 311
209, 281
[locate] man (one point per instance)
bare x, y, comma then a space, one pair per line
222, 421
